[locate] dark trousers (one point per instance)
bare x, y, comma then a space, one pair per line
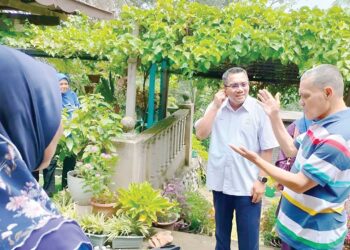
68, 165
49, 177
247, 221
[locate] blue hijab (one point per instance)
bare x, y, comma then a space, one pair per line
30, 106
69, 98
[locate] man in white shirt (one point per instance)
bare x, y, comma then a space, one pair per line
235, 118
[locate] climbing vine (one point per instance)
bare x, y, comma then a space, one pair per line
197, 38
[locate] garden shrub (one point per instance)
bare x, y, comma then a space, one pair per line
200, 213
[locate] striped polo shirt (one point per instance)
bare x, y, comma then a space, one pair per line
316, 218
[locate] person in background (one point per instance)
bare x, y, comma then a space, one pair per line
70, 100
30, 128
70, 103
238, 186
312, 214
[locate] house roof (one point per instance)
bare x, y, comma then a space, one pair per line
40, 11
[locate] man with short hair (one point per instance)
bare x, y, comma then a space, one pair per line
237, 185
312, 212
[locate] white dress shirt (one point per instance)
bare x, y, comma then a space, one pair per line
247, 126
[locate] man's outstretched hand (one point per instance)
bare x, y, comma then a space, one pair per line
269, 103
249, 155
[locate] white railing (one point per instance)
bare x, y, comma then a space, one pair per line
159, 153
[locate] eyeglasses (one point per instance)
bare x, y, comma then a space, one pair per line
237, 85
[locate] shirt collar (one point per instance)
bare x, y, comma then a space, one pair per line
333, 117
248, 104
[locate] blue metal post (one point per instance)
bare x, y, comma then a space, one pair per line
163, 91
151, 89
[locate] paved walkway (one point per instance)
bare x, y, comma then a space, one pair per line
189, 241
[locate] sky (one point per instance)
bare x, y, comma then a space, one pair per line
322, 4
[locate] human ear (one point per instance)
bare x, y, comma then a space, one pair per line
328, 91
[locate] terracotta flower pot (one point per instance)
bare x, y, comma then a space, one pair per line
107, 209
94, 78
89, 89
170, 225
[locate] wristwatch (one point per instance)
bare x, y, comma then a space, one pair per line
262, 179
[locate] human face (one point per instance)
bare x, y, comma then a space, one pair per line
237, 89
313, 100
64, 85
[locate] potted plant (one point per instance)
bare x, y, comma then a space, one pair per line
94, 227
126, 232
267, 225
94, 78
96, 169
89, 136
174, 190
347, 238
167, 220
64, 203
104, 202
200, 213
142, 202
270, 188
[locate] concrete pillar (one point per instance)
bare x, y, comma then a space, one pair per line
188, 132
131, 87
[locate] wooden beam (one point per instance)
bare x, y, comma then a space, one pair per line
19, 5
38, 53
34, 19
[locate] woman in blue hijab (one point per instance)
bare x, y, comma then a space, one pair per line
30, 127
70, 103
69, 97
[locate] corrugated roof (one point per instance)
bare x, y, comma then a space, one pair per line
58, 8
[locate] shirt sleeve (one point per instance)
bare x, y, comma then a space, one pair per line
328, 162
206, 111
299, 139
